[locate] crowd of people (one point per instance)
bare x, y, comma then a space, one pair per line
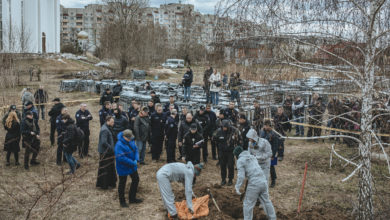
124, 137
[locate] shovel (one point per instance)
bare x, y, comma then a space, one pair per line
212, 198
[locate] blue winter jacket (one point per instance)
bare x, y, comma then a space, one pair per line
126, 156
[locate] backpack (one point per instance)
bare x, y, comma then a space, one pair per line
79, 134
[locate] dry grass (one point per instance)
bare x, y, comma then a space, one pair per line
83, 201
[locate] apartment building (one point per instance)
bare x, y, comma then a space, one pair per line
181, 22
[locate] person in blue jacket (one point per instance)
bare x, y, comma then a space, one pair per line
127, 157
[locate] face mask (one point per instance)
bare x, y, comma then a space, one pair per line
254, 145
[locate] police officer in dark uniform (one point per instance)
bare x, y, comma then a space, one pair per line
227, 138
171, 130
157, 128
133, 113
151, 107
204, 120
171, 102
244, 128
231, 113
191, 145
83, 116
104, 112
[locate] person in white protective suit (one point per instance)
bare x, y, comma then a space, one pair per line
261, 149
177, 172
257, 186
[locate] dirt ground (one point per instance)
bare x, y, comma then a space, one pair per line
55, 196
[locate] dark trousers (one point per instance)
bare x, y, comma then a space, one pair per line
235, 95
41, 109
213, 147
60, 154
205, 152
281, 149
157, 144
106, 172
273, 173
16, 156
31, 147
316, 132
133, 187
84, 145
226, 161
193, 156
208, 97
52, 130
171, 150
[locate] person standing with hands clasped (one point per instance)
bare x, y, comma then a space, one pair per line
126, 158
192, 144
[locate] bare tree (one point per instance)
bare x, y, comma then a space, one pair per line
120, 30
358, 24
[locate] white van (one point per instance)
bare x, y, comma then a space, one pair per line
173, 63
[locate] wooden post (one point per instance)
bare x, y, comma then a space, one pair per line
302, 189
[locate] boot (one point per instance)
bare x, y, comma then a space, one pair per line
136, 201
230, 182
272, 184
223, 182
34, 162
124, 205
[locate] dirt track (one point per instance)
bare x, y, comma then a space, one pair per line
325, 196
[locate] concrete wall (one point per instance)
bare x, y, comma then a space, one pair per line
36, 17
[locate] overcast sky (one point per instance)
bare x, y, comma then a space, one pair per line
204, 6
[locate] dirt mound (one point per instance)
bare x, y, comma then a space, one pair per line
231, 206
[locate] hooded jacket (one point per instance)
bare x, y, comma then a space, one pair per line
182, 173
55, 111
261, 148
247, 166
126, 156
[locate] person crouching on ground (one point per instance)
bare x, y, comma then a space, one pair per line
127, 157
177, 172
